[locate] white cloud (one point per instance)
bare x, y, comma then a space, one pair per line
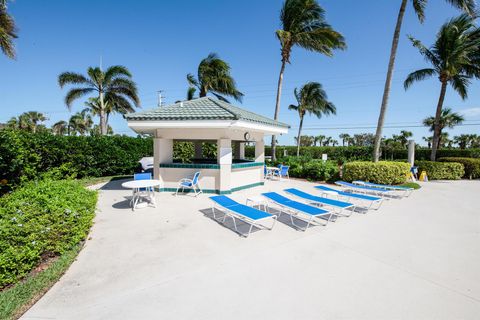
470, 112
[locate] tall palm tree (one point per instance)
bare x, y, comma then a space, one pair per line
311, 99
213, 76
455, 60
345, 138
303, 25
60, 128
448, 119
327, 141
468, 6
114, 85
8, 31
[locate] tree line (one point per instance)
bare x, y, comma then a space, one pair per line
453, 58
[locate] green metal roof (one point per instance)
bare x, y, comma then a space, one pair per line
206, 108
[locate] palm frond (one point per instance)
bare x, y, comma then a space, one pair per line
460, 84
419, 7
468, 6
76, 93
8, 32
418, 75
115, 71
72, 78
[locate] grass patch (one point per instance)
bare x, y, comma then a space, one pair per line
18, 299
413, 185
90, 181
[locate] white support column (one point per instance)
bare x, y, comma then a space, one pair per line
224, 159
411, 152
241, 147
198, 149
260, 156
259, 151
162, 153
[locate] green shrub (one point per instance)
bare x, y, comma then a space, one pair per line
364, 153
25, 156
383, 172
41, 219
441, 170
470, 165
311, 169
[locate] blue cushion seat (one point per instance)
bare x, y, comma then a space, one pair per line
349, 194
307, 196
241, 209
302, 207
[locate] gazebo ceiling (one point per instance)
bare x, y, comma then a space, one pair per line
206, 112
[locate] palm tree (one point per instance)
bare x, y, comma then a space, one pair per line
80, 122
467, 6
305, 141
303, 25
311, 99
327, 141
345, 138
213, 77
114, 85
448, 119
60, 128
428, 140
8, 31
318, 139
334, 142
29, 121
455, 60
111, 106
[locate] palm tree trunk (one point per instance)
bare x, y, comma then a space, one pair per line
436, 128
103, 124
277, 107
388, 82
298, 136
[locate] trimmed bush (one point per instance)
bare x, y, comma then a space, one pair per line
364, 153
470, 165
39, 220
25, 156
383, 172
441, 170
307, 168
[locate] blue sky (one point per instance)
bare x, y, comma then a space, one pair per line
161, 41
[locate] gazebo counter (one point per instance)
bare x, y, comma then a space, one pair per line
242, 175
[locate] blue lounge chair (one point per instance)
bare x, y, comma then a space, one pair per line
363, 189
191, 184
375, 202
321, 201
300, 210
242, 212
406, 190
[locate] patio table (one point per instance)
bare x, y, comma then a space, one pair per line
274, 170
137, 185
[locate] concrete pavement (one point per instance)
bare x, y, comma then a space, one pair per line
415, 258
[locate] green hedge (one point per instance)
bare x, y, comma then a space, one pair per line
470, 165
383, 172
363, 153
41, 219
307, 168
441, 170
25, 156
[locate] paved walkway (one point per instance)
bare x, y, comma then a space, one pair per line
415, 258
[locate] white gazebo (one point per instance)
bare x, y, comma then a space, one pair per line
207, 120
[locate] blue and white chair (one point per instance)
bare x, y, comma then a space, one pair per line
139, 193
190, 184
282, 172
267, 173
